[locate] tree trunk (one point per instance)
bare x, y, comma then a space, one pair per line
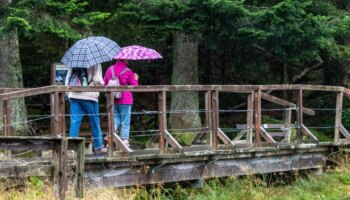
11, 74
185, 72
346, 80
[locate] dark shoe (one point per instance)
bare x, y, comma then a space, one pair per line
101, 151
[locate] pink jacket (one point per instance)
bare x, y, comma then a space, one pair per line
125, 79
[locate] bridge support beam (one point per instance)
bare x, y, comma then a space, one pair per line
218, 166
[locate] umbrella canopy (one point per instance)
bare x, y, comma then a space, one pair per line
136, 52
90, 51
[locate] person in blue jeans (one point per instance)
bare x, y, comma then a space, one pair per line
86, 103
122, 106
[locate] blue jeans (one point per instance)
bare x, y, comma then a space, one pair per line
78, 108
122, 115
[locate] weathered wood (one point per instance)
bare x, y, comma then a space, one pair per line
338, 115
344, 132
55, 120
266, 135
215, 119
111, 125
171, 140
62, 112
7, 90
79, 169
266, 126
307, 132
162, 121
257, 115
224, 138
207, 100
299, 97
277, 134
220, 88
208, 119
204, 169
288, 121
24, 170
60, 169
28, 92
285, 103
118, 141
6, 117
250, 117
240, 135
157, 88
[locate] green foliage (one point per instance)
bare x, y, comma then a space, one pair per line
65, 20
36, 182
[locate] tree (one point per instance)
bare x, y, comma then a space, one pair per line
31, 19
175, 17
11, 70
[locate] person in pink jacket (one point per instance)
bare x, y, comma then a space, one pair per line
122, 106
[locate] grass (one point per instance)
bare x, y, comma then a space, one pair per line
332, 185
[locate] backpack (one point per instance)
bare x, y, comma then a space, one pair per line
115, 82
79, 77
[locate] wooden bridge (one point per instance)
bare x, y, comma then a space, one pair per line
256, 147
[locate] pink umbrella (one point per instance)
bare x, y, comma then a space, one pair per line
136, 52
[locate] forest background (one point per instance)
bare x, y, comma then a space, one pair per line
202, 42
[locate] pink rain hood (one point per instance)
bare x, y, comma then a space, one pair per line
125, 79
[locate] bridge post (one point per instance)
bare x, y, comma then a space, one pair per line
215, 119
60, 168
338, 115
162, 121
208, 119
110, 111
250, 117
299, 97
55, 110
62, 112
287, 122
6, 117
6, 121
257, 116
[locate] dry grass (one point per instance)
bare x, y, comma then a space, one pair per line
46, 193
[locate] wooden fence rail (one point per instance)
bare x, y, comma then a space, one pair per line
59, 146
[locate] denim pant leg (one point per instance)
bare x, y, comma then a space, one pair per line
91, 108
125, 111
76, 115
117, 116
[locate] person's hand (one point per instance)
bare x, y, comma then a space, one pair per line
136, 76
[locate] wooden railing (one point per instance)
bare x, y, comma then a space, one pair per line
59, 168
256, 133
